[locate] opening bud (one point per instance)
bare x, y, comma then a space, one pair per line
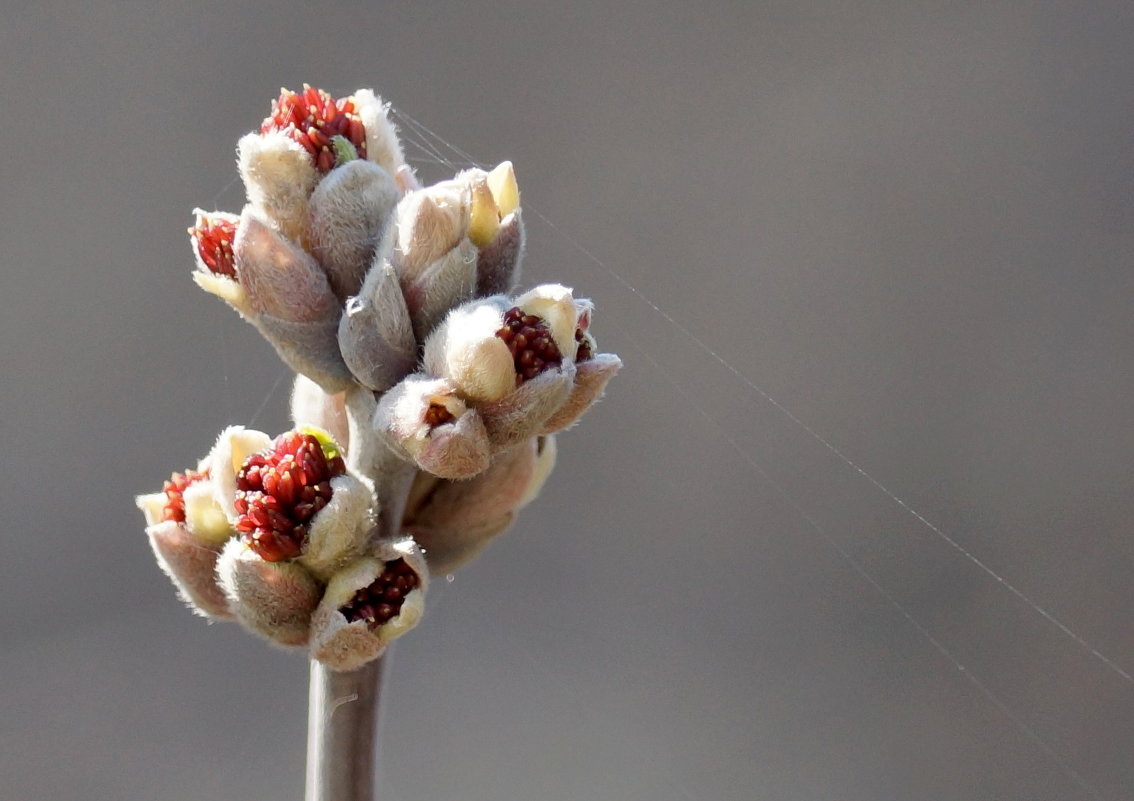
313, 119
279, 491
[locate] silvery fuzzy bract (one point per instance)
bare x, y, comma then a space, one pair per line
427, 388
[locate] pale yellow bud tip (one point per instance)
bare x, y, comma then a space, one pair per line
505, 190
224, 288
484, 216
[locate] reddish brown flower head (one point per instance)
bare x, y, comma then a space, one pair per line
311, 118
382, 600
212, 236
174, 489
529, 339
279, 491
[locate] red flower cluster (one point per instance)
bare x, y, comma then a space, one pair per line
528, 337
312, 118
382, 600
213, 235
279, 491
174, 489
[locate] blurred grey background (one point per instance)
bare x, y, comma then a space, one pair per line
906, 222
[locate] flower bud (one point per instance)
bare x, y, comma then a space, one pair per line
291, 302
508, 360
555, 306
272, 599
294, 500
351, 216
430, 223
375, 333
484, 214
368, 604
186, 528
505, 191
424, 420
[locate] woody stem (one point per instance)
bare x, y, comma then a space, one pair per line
342, 732
343, 707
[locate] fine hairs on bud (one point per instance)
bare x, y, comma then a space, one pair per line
465, 349
280, 278
272, 599
351, 213
279, 177
382, 145
340, 529
191, 565
375, 332
498, 263
448, 282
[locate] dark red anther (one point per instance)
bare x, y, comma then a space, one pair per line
212, 236
529, 339
312, 119
382, 600
279, 490
174, 490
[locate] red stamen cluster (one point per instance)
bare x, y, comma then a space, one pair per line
279, 490
174, 490
529, 339
583, 349
437, 415
312, 118
382, 600
212, 236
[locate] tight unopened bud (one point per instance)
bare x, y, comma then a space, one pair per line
351, 215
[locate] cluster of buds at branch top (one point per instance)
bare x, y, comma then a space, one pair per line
441, 387
264, 527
